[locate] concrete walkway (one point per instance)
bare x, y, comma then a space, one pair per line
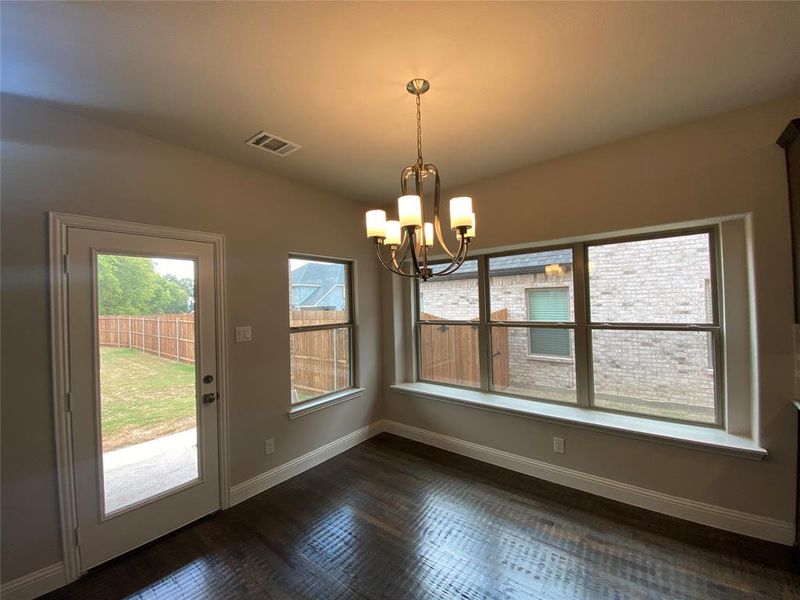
138, 472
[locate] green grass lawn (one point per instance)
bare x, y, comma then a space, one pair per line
143, 397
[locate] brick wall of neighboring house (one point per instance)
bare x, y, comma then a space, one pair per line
668, 372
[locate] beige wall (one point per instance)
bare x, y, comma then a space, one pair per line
53, 160
724, 165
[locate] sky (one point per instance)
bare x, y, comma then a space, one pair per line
181, 268
296, 263
184, 269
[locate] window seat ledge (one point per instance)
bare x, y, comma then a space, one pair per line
304, 408
678, 434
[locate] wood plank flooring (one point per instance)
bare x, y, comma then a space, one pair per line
392, 518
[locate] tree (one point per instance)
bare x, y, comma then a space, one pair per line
130, 285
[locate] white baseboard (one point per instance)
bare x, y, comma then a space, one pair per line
35, 584
259, 483
756, 526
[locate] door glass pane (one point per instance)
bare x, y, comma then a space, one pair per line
665, 280
451, 298
535, 286
657, 373
320, 362
548, 373
148, 385
449, 354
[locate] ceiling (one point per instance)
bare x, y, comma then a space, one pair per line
512, 83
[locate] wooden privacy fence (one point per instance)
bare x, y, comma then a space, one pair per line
168, 336
449, 353
320, 359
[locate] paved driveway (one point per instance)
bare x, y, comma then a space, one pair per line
138, 472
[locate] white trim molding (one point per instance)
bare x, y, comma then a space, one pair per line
310, 406
247, 489
59, 223
698, 437
35, 584
757, 526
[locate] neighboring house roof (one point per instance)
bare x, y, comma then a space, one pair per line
516, 263
319, 283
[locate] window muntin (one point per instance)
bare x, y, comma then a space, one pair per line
685, 325
320, 327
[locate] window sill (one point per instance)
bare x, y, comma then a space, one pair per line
309, 406
564, 360
677, 434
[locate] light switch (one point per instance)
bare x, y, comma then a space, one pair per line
244, 334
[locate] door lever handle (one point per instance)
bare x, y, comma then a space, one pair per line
209, 398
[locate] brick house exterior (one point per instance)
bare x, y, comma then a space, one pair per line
665, 280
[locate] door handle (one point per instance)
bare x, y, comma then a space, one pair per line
209, 398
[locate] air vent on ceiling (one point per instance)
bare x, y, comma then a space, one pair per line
272, 143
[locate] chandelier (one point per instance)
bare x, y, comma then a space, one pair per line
411, 237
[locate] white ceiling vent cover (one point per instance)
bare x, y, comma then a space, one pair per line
272, 144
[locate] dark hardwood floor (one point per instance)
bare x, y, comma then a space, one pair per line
395, 519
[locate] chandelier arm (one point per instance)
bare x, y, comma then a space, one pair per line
437, 224
458, 260
404, 246
404, 179
422, 249
414, 260
389, 266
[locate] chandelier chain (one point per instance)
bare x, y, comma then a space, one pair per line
419, 132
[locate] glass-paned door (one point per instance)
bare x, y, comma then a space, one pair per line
142, 348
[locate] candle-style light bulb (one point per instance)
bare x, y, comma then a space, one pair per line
460, 212
392, 233
429, 234
376, 223
471, 231
410, 210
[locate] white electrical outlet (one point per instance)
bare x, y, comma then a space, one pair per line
558, 445
244, 334
269, 446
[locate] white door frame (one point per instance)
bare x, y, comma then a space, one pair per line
59, 223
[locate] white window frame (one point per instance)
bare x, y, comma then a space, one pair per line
582, 326
352, 390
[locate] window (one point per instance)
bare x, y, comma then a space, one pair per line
629, 325
320, 327
549, 304
531, 323
447, 329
